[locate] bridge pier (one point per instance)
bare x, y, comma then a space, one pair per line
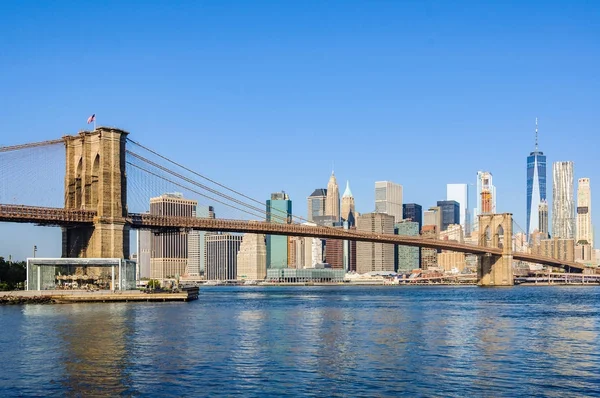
95, 180
495, 230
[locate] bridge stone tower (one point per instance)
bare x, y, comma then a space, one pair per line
495, 230
95, 180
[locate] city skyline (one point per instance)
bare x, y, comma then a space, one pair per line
372, 89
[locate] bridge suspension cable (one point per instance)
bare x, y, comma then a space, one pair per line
284, 214
30, 145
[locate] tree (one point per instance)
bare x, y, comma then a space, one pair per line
153, 284
12, 275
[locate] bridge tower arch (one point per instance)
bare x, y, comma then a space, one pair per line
495, 230
95, 180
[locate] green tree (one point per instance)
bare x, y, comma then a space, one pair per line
153, 284
12, 274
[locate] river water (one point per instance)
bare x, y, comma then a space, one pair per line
311, 341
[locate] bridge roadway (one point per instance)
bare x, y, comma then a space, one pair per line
65, 218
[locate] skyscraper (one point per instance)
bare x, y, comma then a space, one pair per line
348, 208
388, 199
536, 185
585, 232
197, 244
563, 204
460, 194
169, 250
450, 213
332, 202
279, 210
486, 195
316, 203
252, 258
221, 256
413, 212
374, 256
543, 218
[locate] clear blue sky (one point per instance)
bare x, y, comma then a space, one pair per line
263, 96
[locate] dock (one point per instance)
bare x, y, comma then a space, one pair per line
103, 296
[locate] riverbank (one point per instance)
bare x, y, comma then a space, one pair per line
76, 296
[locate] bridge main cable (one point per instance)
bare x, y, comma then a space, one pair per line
30, 145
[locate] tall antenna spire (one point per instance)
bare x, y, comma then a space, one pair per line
332, 166
536, 135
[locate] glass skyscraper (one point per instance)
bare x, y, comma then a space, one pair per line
536, 185
279, 210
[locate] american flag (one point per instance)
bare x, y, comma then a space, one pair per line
91, 118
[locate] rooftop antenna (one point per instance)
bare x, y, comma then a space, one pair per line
536, 134
332, 166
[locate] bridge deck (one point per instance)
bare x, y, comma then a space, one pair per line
65, 217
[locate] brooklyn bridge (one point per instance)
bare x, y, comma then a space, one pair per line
96, 221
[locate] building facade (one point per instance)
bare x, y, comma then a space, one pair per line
316, 203
374, 256
429, 256
408, 258
332, 202
279, 210
585, 232
486, 196
536, 185
543, 219
221, 256
388, 199
197, 244
413, 212
252, 258
450, 210
169, 250
460, 194
563, 204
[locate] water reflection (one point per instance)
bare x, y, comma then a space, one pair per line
311, 341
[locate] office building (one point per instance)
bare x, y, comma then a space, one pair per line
221, 256
413, 212
460, 194
563, 204
543, 219
334, 253
450, 210
585, 232
144, 250
536, 185
197, 244
252, 258
332, 201
388, 199
408, 257
375, 256
316, 203
433, 216
279, 210
429, 256
169, 250
348, 206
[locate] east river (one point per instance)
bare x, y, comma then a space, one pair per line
311, 341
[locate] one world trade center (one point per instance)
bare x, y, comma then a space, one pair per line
536, 185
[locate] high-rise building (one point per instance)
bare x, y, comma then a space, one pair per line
169, 250
413, 212
388, 199
348, 207
450, 213
316, 203
585, 232
375, 256
429, 256
221, 256
433, 216
144, 248
460, 194
279, 210
543, 219
334, 253
563, 204
486, 196
252, 258
536, 185
332, 202
197, 244
408, 258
